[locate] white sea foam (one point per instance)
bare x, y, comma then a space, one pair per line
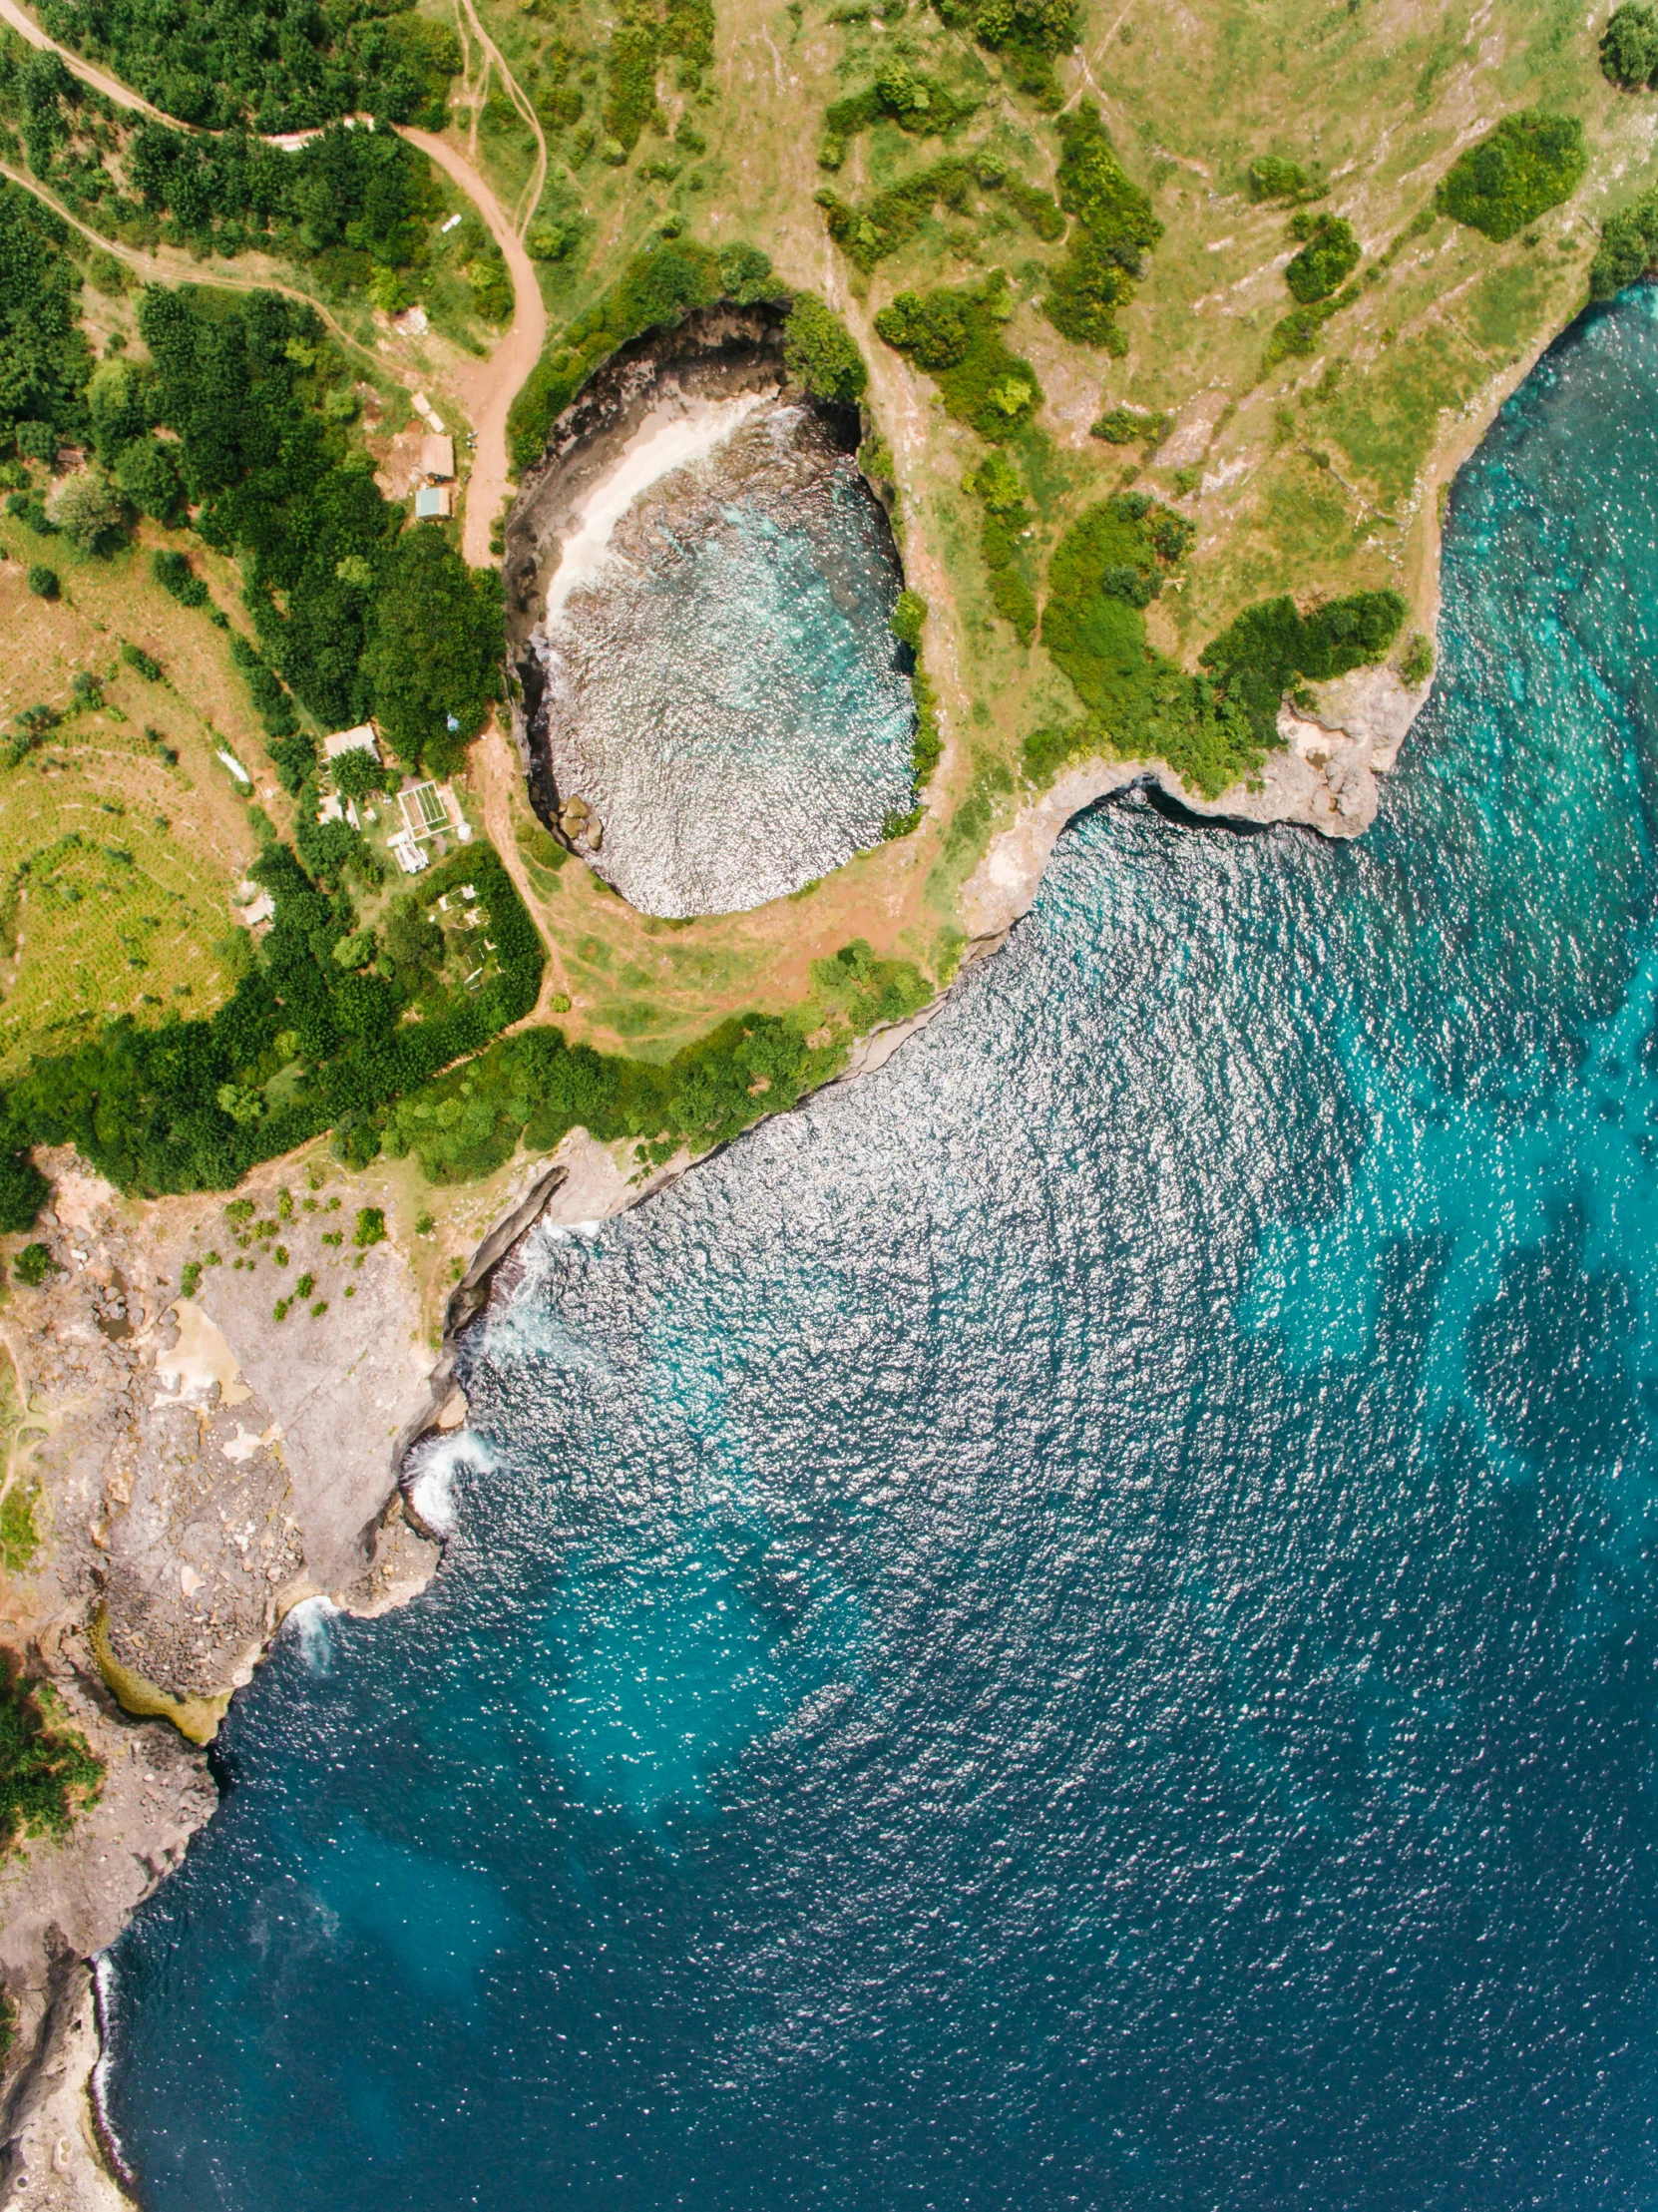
103, 1984
662, 442
310, 1619
432, 1493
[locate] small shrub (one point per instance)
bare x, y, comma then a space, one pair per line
1006, 519
135, 657
1415, 664
1530, 162
47, 1771
175, 575
1328, 257
907, 617
551, 242
45, 582
1131, 426
1270, 178
190, 1278
371, 1227
32, 1266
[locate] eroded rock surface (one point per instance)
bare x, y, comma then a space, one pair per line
1323, 777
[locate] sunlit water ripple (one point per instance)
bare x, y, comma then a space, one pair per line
1072, 1625
725, 690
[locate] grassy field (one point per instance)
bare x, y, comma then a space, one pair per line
117, 863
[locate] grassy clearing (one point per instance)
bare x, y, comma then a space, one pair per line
116, 863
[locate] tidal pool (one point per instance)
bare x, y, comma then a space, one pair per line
722, 688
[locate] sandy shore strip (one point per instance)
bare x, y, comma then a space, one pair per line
668, 439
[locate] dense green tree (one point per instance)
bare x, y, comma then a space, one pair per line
434, 658
45, 360
822, 354
23, 1192
1115, 229
121, 400
147, 474
1628, 247
280, 485
274, 65
47, 1771
1527, 165
88, 509
1326, 261
1629, 46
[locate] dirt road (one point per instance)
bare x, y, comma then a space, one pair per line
491, 390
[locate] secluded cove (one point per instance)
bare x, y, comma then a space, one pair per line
713, 705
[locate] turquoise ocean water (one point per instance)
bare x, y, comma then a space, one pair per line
1074, 1625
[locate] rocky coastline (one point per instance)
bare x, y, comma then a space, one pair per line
161, 1423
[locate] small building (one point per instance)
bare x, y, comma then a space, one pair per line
437, 459
434, 503
360, 739
407, 853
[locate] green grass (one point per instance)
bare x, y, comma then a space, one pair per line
19, 1537
48, 1772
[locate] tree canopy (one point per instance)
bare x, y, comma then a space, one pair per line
45, 360
1527, 165
276, 65
434, 655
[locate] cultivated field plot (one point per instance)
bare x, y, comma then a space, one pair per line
122, 835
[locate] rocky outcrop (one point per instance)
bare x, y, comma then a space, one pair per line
1322, 777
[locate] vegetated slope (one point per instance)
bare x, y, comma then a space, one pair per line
1237, 251
362, 216
1271, 327
266, 63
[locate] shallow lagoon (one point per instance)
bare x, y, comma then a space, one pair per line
1073, 1625
722, 688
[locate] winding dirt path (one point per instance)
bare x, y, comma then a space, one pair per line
490, 390
168, 267
529, 198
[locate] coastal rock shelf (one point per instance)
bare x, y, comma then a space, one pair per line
715, 705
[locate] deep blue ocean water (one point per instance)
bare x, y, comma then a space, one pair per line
1073, 1625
